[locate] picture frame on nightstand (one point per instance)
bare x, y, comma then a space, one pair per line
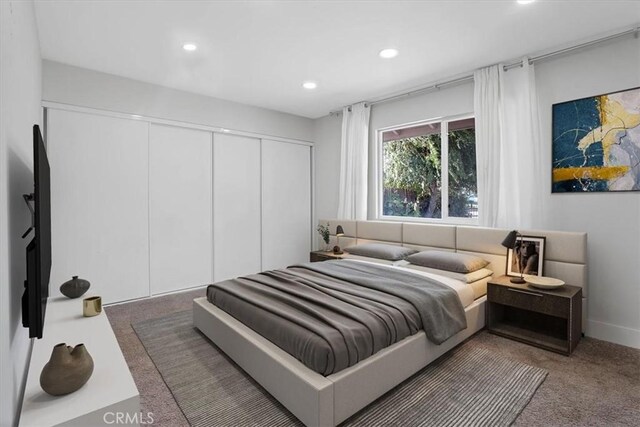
532, 256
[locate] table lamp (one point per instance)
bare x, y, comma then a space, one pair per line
510, 242
339, 232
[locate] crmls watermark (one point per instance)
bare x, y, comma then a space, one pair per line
124, 418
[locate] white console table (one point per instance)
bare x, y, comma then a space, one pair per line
110, 389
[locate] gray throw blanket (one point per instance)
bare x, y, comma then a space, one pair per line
331, 315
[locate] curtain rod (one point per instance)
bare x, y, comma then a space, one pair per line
633, 31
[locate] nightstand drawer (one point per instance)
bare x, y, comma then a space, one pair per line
319, 256
529, 299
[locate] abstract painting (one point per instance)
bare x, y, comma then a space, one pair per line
596, 143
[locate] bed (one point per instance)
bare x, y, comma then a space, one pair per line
319, 400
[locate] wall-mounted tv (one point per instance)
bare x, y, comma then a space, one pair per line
36, 292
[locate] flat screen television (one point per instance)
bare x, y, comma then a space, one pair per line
36, 292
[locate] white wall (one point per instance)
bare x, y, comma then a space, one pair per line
612, 220
20, 94
327, 135
79, 86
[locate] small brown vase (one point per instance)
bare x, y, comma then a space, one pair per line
75, 287
67, 370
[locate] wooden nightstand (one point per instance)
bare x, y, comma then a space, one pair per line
549, 319
317, 256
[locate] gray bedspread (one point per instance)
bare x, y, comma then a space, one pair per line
331, 315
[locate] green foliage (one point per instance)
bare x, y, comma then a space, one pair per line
412, 175
324, 232
462, 173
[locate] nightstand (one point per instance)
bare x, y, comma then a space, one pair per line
317, 256
549, 319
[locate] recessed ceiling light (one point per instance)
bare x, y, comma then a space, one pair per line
309, 85
388, 53
525, 1
189, 47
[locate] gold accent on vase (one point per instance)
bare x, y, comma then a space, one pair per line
68, 369
91, 306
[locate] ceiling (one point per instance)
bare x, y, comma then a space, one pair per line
260, 52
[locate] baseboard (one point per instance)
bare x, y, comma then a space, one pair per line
23, 383
614, 333
162, 294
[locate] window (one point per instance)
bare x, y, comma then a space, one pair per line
429, 170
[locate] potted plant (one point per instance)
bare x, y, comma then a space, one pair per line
323, 230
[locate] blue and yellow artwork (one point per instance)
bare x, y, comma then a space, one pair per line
596, 143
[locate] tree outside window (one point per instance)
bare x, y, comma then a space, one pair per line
427, 166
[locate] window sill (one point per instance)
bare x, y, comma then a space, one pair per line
442, 221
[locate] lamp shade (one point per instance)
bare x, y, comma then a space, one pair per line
510, 240
339, 231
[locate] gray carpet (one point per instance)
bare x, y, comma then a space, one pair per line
469, 386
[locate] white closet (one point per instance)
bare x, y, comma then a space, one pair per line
180, 211
144, 207
236, 215
286, 203
99, 202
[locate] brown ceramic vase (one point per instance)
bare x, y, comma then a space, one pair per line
75, 287
67, 370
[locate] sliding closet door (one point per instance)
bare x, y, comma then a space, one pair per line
99, 202
286, 203
236, 215
180, 212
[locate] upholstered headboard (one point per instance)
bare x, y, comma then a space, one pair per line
565, 254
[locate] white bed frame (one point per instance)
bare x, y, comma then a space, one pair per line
327, 401
315, 399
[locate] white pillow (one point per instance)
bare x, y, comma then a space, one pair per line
450, 261
381, 251
466, 278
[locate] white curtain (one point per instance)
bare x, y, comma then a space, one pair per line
489, 122
511, 180
352, 202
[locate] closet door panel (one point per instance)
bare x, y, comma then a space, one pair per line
99, 202
180, 211
286, 204
236, 217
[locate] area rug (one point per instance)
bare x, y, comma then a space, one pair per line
466, 387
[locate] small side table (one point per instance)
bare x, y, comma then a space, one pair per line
317, 256
549, 319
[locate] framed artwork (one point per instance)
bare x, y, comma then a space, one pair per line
596, 143
528, 253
